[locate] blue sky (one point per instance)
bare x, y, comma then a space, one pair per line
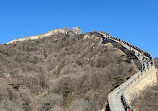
135, 21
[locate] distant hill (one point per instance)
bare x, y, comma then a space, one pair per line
62, 72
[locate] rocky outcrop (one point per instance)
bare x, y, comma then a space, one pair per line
76, 30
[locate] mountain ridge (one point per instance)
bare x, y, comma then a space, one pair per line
90, 55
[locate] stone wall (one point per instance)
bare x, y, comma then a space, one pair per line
147, 78
120, 99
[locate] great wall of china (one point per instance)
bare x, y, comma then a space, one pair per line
119, 99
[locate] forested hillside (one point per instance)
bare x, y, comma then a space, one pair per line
64, 72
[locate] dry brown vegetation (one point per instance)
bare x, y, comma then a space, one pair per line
148, 101
60, 73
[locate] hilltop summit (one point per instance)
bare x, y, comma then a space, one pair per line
75, 30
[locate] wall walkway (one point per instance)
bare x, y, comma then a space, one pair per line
120, 99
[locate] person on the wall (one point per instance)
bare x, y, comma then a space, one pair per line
129, 110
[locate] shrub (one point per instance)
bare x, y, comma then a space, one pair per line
131, 69
67, 48
118, 81
130, 56
26, 106
15, 86
47, 106
2, 72
79, 62
130, 53
35, 60
128, 60
83, 105
66, 91
43, 81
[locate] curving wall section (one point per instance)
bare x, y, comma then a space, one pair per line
120, 99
